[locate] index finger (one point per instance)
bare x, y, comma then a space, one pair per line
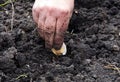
61, 27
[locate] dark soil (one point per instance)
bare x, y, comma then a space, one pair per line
93, 42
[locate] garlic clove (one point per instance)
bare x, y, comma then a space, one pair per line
62, 51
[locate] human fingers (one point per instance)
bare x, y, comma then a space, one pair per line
61, 27
41, 24
49, 31
35, 15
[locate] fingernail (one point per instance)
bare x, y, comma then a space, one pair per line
61, 51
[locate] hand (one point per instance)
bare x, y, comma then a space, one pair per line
52, 18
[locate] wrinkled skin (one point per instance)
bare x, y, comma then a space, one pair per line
52, 18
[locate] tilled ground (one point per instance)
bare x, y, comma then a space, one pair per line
93, 42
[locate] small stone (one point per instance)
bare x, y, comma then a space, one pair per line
119, 33
116, 48
87, 61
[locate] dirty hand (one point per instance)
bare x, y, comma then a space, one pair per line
52, 18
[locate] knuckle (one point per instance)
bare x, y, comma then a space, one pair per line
65, 12
37, 9
34, 10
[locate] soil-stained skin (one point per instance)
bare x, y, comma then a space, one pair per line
93, 53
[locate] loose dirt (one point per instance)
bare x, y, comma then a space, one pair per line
93, 42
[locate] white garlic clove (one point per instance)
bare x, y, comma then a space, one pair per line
62, 51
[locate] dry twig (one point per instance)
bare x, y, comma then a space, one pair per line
113, 67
